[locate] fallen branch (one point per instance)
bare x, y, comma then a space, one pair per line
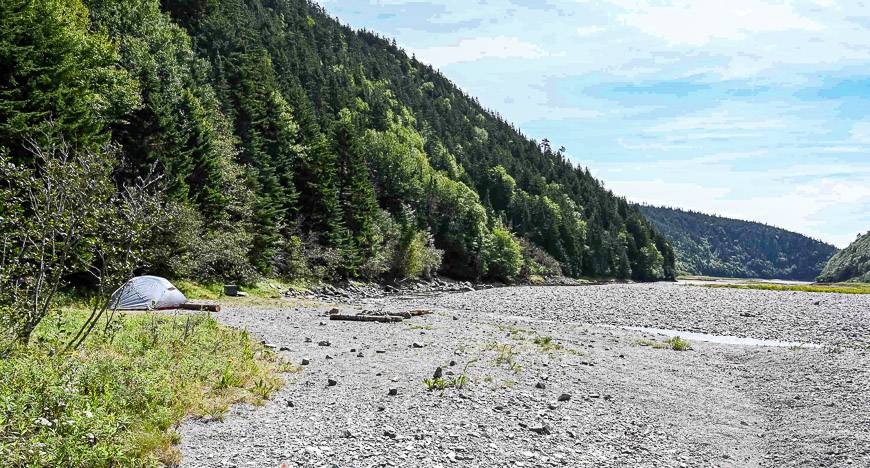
366, 318
200, 306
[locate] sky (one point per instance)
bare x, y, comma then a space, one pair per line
751, 109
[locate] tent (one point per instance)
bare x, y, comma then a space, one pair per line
147, 293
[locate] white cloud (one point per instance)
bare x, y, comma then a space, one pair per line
469, 50
696, 23
719, 120
860, 132
585, 31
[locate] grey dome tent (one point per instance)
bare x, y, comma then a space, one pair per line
147, 293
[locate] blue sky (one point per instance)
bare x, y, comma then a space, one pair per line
751, 109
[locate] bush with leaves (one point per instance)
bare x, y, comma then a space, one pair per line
65, 216
385, 234
502, 256
537, 262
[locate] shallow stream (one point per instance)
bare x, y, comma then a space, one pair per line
723, 339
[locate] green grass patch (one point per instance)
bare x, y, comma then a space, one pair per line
116, 401
547, 344
676, 343
516, 333
505, 356
266, 293
842, 288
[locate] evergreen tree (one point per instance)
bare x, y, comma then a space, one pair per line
356, 192
57, 76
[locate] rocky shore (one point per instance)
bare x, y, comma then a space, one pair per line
546, 376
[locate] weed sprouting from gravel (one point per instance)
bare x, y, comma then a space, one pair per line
442, 384
515, 333
264, 388
435, 384
546, 344
505, 354
676, 343
458, 382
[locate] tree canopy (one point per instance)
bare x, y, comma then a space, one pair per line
298, 146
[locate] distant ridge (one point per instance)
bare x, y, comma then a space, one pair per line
849, 264
717, 246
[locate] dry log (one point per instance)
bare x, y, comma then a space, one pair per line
200, 306
419, 312
366, 318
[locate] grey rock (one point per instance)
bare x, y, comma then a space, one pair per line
542, 429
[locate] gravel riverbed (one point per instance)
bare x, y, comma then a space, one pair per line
554, 381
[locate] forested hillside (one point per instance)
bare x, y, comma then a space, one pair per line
290, 145
849, 264
717, 246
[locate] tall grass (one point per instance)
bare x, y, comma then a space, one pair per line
842, 288
116, 401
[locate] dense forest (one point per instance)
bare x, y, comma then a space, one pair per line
271, 140
716, 246
849, 264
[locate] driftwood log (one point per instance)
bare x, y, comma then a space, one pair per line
200, 306
366, 318
404, 314
419, 312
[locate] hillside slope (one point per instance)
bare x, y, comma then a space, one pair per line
292, 145
716, 246
849, 264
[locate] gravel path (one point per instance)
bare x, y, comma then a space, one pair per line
630, 405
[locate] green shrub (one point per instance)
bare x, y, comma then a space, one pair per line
537, 262
183, 248
503, 258
380, 259
417, 256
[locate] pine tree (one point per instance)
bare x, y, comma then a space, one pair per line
57, 75
356, 192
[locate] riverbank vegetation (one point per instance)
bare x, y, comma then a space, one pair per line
849, 264
116, 400
841, 288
